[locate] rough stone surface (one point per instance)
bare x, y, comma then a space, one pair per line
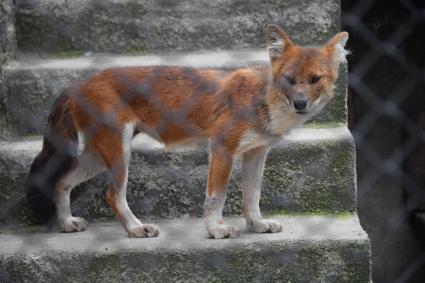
134, 26
28, 87
7, 32
310, 249
311, 171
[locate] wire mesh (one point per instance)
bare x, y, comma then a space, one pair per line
387, 120
386, 81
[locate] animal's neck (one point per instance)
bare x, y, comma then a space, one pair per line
281, 116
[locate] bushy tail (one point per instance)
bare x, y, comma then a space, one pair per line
53, 162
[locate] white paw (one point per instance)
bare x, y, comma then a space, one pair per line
73, 224
264, 226
221, 231
143, 231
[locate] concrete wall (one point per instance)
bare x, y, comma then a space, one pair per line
7, 31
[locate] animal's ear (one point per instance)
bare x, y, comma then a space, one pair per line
335, 48
277, 42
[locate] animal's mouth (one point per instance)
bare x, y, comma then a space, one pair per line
301, 112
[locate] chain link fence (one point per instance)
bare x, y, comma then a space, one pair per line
386, 117
386, 104
194, 105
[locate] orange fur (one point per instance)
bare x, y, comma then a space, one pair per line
175, 105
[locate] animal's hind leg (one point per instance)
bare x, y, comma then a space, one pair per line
87, 167
115, 151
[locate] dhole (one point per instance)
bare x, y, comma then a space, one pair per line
241, 112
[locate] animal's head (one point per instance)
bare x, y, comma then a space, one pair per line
304, 76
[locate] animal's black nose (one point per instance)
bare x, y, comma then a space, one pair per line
300, 104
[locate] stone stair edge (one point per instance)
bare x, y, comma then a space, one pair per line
32, 84
170, 183
309, 249
319, 227
132, 26
200, 58
304, 135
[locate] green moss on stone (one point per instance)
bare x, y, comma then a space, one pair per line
29, 30
324, 125
66, 54
117, 271
136, 49
310, 178
35, 33
337, 215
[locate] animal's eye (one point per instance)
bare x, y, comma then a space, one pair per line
290, 80
314, 79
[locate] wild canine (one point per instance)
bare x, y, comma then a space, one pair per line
241, 112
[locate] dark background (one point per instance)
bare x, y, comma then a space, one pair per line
387, 118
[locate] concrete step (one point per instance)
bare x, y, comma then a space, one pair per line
135, 26
311, 170
310, 249
29, 86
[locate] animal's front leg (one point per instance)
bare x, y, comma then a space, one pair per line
252, 174
220, 168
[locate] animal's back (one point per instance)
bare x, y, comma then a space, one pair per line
173, 104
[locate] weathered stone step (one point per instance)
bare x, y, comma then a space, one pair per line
29, 86
134, 26
312, 170
310, 249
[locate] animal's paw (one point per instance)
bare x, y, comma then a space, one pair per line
221, 231
264, 226
73, 224
143, 231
